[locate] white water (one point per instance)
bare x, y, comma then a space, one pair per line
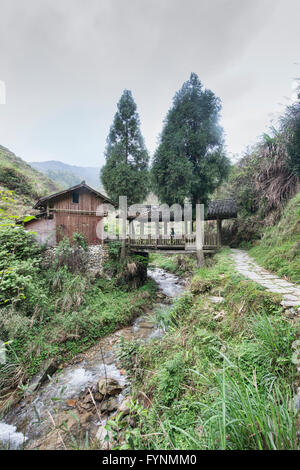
10, 436
73, 379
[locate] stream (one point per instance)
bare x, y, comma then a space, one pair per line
30, 422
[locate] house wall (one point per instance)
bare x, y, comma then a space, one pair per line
45, 231
88, 224
68, 224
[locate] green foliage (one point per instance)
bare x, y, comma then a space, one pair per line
64, 178
19, 259
73, 257
17, 243
55, 308
125, 172
290, 124
7, 211
114, 250
190, 161
80, 240
279, 249
241, 185
246, 417
221, 383
27, 184
170, 378
264, 180
14, 180
17, 280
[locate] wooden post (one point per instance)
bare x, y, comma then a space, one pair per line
199, 232
219, 232
142, 231
157, 229
165, 228
132, 230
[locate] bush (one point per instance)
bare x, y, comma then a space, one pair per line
17, 243
16, 181
19, 265
73, 257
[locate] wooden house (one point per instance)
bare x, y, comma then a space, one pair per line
77, 209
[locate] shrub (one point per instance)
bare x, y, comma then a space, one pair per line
73, 257
171, 378
17, 243
16, 181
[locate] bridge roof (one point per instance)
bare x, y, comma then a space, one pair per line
221, 209
217, 209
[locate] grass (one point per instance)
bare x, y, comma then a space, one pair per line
279, 249
222, 376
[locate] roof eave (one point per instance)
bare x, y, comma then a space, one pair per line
42, 201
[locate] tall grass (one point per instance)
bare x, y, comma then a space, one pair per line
246, 416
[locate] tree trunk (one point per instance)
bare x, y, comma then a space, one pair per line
123, 208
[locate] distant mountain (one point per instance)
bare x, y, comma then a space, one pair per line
27, 183
69, 175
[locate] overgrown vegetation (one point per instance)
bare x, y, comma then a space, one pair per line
264, 180
26, 182
279, 249
222, 377
54, 309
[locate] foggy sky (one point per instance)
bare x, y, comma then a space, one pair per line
65, 64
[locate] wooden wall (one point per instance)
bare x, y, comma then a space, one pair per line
88, 224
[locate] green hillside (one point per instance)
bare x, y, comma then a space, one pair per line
27, 183
279, 249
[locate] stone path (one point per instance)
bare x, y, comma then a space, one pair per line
246, 266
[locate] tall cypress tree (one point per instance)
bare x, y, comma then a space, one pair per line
126, 171
190, 161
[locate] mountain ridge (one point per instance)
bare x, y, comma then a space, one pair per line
27, 183
67, 175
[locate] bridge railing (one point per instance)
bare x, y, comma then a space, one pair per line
184, 241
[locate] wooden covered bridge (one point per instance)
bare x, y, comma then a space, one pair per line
82, 209
185, 242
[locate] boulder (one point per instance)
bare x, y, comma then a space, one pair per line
48, 368
216, 300
109, 386
125, 406
109, 405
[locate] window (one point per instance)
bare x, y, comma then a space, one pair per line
75, 198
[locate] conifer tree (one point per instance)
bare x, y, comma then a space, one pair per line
126, 171
190, 161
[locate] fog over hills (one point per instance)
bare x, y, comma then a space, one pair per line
69, 175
